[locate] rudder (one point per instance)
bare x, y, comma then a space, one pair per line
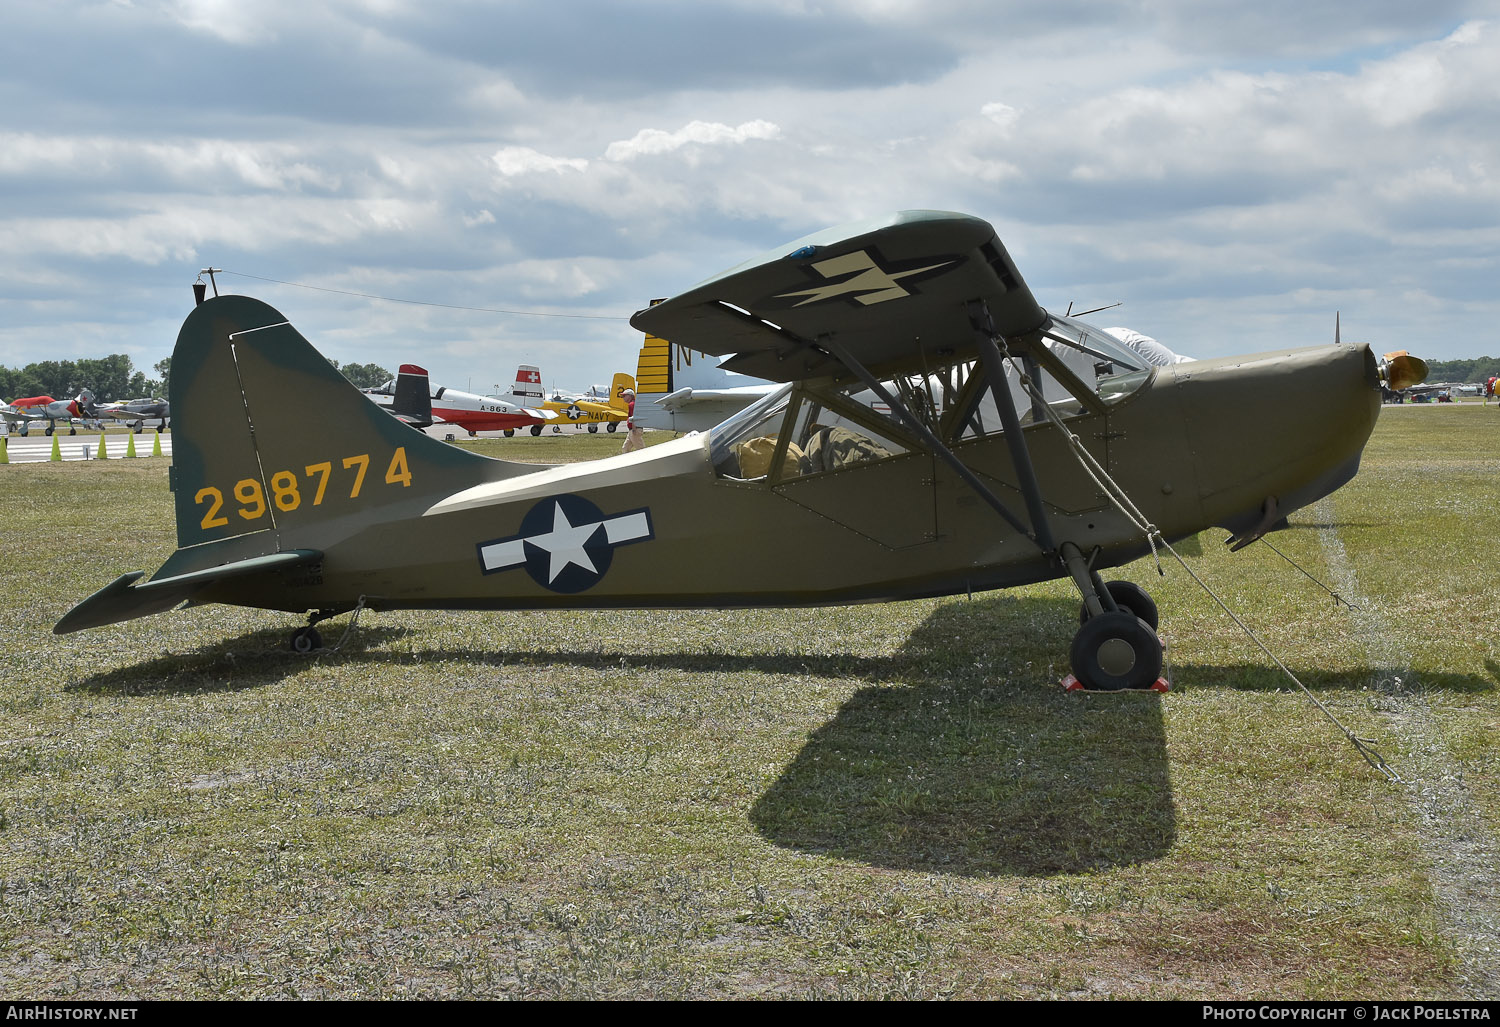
271, 442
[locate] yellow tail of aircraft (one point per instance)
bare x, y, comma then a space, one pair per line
617, 389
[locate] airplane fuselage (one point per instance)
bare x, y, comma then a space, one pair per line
663, 527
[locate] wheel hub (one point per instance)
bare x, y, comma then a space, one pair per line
1116, 657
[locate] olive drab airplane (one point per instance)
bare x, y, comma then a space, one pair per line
930, 437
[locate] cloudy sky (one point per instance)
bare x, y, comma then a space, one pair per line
1233, 173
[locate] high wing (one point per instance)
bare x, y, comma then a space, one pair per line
891, 290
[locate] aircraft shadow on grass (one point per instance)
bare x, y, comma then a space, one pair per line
959, 756
979, 769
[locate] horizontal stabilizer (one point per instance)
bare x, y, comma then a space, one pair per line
123, 600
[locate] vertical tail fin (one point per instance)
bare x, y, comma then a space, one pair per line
617, 388
653, 367
413, 399
528, 387
275, 450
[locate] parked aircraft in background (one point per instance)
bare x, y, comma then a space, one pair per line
466, 410
778, 506
681, 389
136, 412
590, 409
44, 408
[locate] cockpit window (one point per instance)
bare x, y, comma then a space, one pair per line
798, 431
1099, 360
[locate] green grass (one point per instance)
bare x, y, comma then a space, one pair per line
879, 801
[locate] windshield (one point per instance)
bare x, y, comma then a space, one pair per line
761, 418
1114, 370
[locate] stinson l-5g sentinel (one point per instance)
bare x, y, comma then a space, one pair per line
934, 436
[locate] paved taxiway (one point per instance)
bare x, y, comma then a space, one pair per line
38, 447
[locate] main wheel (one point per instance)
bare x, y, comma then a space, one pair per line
1115, 651
536, 429
473, 434
1129, 596
610, 427
593, 429
510, 433
50, 429
305, 640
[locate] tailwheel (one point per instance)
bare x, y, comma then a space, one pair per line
1131, 597
1116, 651
306, 640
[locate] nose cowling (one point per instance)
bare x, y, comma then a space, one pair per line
1276, 431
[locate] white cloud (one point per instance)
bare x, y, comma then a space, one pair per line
523, 160
652, 141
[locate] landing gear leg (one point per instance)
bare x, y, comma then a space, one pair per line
307, 639
1116, 647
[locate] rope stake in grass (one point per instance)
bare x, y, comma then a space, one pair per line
1337, 599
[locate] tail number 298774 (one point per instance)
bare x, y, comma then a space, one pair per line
287, 492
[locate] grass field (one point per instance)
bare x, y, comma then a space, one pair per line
879, 801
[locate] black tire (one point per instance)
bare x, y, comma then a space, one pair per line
611, 426
50, 429
536, 429
306, 640
1129, 596
473, 434
1116, 651
593, 429
510, 433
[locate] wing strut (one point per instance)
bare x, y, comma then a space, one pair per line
1095, 596
933, 443
1010, 421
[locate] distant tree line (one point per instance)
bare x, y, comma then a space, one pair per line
364, 376
1480, 369
108, 378
113, 378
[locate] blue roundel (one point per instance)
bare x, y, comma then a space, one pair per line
567, 549
566, 543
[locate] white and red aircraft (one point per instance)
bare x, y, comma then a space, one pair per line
402, 397
44, 408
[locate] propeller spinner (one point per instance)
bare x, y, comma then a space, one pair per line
1400, 370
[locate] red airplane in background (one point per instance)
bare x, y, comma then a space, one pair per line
45, 408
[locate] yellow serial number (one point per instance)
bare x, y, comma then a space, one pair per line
288, 492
